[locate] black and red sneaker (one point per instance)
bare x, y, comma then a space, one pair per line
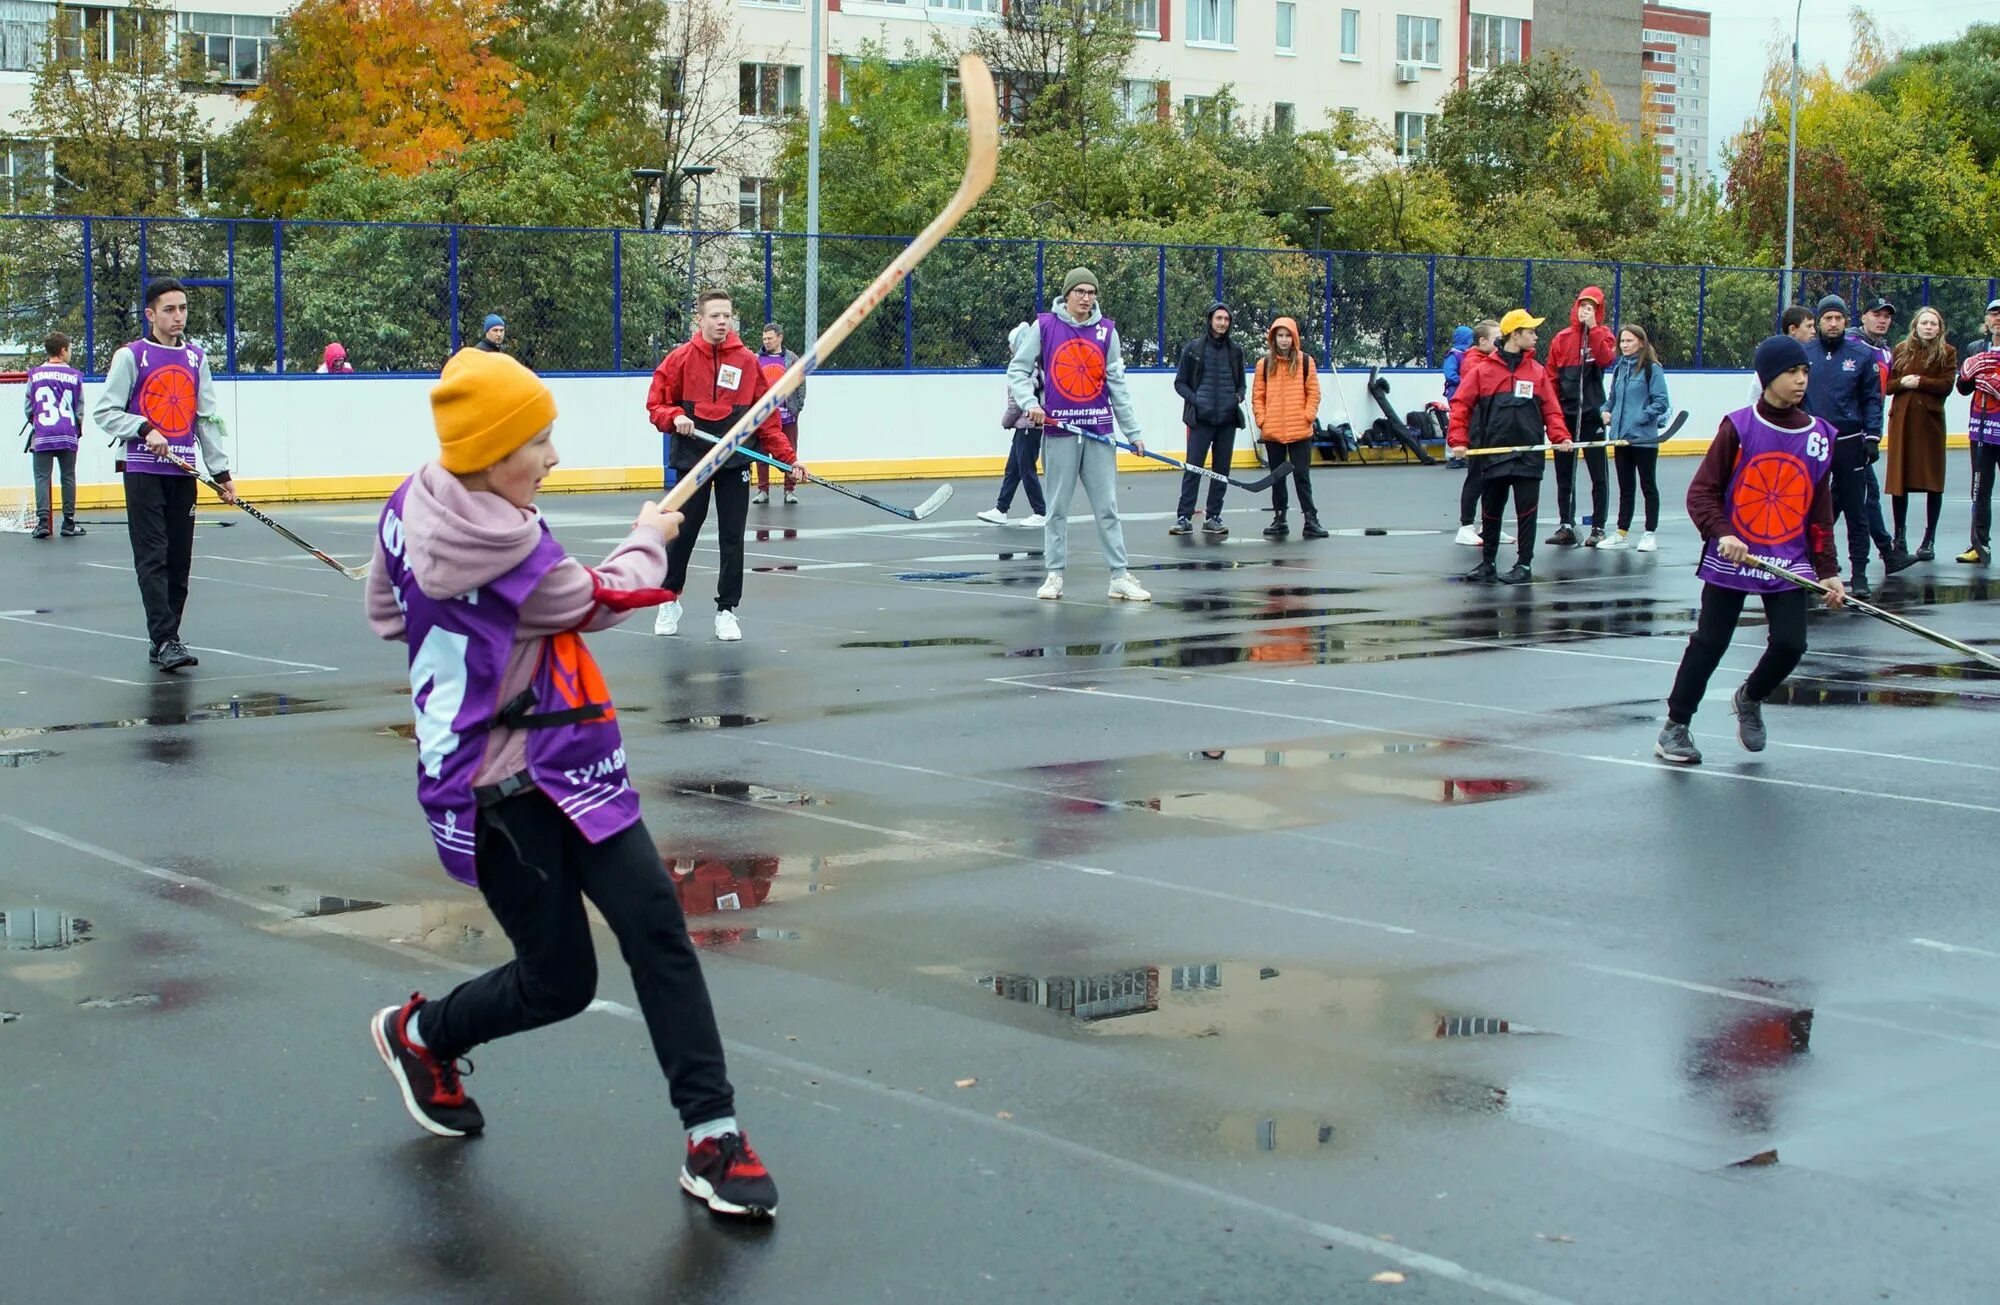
727, 1174
431, 1088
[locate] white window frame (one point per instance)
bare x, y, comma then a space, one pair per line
1139, 99
1211, 24
1410, 145
788, 77
758, 196
1418, 35
40, 176
1144, 15
1481, 29
1350, 35
1287, 15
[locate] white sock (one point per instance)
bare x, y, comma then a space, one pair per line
713, 1128
411, 1029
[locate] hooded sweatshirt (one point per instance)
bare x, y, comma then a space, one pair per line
457, 539
713, 385
1285, 397
1024, 370
1454, 362
1210, 380
1578, 363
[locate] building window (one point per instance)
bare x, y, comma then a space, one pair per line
24, 34
1139, 101
26, 174
673, 85
1492, 41
1417, 40
1212, 22
769, 90
1284, 118
234, 49
1144, 15
1350, 33
1410, 129
1203, 113
1288, 26
760, 204
962, 6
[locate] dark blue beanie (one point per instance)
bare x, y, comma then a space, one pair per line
1778, 355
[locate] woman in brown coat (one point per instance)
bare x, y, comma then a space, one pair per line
1921, 373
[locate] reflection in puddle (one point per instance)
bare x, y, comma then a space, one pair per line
13, 758
731, 937
723, 722
710, 885
238, 707
320, 906
922, 643
1741, 1063
39, 930
1819, 693
744, 791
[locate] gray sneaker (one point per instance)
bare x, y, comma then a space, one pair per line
1677, 745
1749, 721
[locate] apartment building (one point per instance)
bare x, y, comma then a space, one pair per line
1603, 36
1675, 63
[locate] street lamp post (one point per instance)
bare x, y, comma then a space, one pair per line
646, 179
815, 76
1318, 212
1792, 152
695, 171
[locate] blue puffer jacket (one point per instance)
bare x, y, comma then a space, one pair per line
1637, 399
1845, 388
1454, 362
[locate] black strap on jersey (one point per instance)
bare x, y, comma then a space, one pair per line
518, 713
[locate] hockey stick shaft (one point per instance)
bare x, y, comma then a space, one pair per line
1571, 447
351, 572
1901, 623
1251, 486
982, 116
786, 467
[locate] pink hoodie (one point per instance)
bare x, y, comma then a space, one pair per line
457, 539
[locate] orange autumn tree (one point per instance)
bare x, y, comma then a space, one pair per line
400, 85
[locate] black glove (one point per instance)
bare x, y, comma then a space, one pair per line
1873, 448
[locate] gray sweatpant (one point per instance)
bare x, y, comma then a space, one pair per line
1067, 459
45, 465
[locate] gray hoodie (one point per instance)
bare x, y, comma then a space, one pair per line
1027, 362
109, 413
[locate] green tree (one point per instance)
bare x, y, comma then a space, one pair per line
1955, 82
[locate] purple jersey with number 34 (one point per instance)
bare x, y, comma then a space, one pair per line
55, 400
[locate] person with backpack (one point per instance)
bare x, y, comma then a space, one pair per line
1285, 401
1483, 340
1636, 405
1508, 401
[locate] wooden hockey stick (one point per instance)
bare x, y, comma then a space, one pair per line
1570, 447
982, 155
939, 496
1922, 632
351, 572
1257, 486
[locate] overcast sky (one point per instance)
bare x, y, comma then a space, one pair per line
1743, 32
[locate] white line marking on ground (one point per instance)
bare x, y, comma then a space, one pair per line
218, 580
65, 670
1394, 1253
1956, 949
133, 638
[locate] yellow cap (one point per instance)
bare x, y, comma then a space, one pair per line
485, 406
1516, 319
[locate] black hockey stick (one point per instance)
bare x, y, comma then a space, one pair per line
939, 496
1378, 390
1922, 632
351, 572
1257, 486
1673, 427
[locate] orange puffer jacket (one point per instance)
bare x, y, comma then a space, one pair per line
1285, 397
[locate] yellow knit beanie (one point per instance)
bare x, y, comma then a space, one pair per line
485, 406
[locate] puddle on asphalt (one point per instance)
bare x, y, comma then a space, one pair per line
766, 536
1739, 1065
236, 707
15, 758
733, 937
38, 929
729, 721
744, 791
315, 906
960, 642
1819, 692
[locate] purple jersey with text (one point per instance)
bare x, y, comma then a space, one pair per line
1074, 389
458, 656
165, 390
1769, 498
55, 405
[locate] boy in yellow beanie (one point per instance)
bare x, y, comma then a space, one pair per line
521, 772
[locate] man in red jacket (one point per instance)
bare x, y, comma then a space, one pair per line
705, 385
1507, 400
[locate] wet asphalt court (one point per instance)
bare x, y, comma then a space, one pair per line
1327, 918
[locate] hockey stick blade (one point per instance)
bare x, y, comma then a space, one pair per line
1673, 427
939, 497
982, 158
1901, 623
1264, 482
351, 572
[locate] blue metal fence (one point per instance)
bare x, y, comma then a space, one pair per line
267, 296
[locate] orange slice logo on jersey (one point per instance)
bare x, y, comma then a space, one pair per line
1077, 370
772, 371
574, 675
1772, 497
166, 401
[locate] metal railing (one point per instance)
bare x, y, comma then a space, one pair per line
267, 296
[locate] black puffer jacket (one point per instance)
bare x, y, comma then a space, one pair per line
1197, 382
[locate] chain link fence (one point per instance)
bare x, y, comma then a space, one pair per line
267, 297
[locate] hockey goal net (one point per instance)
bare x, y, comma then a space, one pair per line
17, 506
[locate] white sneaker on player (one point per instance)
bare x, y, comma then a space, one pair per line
760, 498
1125, 587
993, 516
1033, 521
1469, 536
1614, 540
669, 619
726, 628
1647, 543
1506, 538
1051, 587
791, 498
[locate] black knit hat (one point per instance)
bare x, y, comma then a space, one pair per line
1778, 355
1830, 304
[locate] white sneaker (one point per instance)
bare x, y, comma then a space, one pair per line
1615, 540
760, 498
1051, 587
791, 498
994, 516
726, 628
1506, 538
1125, 587
669, 619
1033, 521
1648, 544
1469, 536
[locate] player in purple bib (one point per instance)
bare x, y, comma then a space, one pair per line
54, 409
1764, 491
159, 399
521, 770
